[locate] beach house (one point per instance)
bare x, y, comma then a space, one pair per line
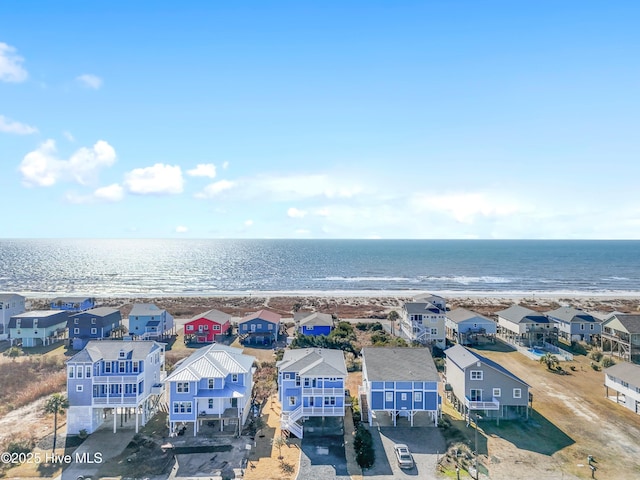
313, 323
119, 379
204, 327
522, 326
38, 328
311, 383
623, 379
575, 325
423, 320
10, 304
400, 383
259, 328
93, 324
466, 327
621, 336
148, 322
477, 385
73, 304
210, 388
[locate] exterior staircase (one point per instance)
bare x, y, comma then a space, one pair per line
364, 408
289, 423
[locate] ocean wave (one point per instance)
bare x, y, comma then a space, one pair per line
368, 279
467, 280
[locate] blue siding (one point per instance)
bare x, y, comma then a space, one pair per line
377, 400
315, 331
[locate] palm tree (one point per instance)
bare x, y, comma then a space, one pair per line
549, 360
56, 403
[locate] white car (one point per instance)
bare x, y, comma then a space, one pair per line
403, 455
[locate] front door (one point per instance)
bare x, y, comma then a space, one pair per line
476, 395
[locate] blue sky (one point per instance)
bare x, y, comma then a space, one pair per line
345, 119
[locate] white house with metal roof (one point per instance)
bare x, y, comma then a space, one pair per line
399, 382
311, 383
624, 379
423, 320
114, 378
212, 385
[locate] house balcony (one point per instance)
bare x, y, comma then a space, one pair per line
494, 404
322, 392
615, 335
130, 400
157, 389
115, 378
323, 411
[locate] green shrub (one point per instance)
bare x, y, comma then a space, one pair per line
608, 362
596, 355
595, 366
363, 445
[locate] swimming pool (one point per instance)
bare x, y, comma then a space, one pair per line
537, 352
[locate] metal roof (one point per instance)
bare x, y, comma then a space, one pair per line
625, 371
520, 314
460, 315
110, 350
214, 361
314, 362
464, 358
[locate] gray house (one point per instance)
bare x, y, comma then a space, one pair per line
423, 320
10, 304
478, 385
575, 325
467, 327
621, 335
93, 324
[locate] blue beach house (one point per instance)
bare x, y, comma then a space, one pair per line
313, 323
73, 304
311, 383
401, 383
38, 327
147, 321
93, 324
210, 389
259, 328
115, 378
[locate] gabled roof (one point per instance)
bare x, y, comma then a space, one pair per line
428, 298
97, 312
71, 299
460, 315
625, 371
5, 297
399, 364
520, 314
571, 315
630, 321
97, 350
214, 361
313, 362
314, 319
46, 318
213, 315
424, 308
144, 309
262, 315
464, 358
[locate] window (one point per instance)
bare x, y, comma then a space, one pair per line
476, 375
189, 328
591, 327
287, 376
210, 403
79, 388
88, 372
107, 367
182, 387
122, 367
71, 372
234, 377
211, 383
181, 407
292, 401
76, 331
434, 331
434, 319
216, 328
93, 321
245, 327
206, 328
270, 326
75, 321
122, 354
497, 392
517, 393
310, 327
417, 396
79, 372
136, 367
582, 326
297, 380
94, 331
329, 401
403, 397
253, 327
388, 396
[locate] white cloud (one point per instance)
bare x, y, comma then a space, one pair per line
465, 207
42, 167
158, 179
203, 170
11, 126
69, 136
215, 188
11, 69
181, 229
294, 187
90, 81
248, 223
110, 193
295, 213
225, 165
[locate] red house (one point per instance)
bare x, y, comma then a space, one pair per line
204, 327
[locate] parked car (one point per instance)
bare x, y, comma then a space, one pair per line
403, 455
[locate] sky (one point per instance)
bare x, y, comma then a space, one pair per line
333, 119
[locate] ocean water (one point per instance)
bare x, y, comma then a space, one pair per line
239, 267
